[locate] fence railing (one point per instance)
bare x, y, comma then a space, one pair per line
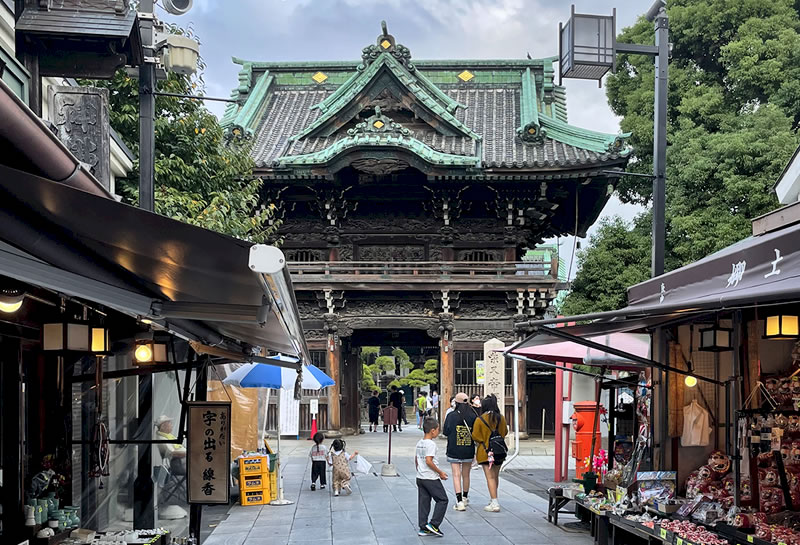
503, 269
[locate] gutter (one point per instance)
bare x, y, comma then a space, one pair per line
30, 138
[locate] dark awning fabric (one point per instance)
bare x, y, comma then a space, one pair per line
145, 253
740, 275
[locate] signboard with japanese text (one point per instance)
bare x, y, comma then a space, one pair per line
290, 413
313, 406
208, 454
480, 372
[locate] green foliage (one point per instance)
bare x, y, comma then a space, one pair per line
616, 257
733, 117
200, 177
384, 364
367, 379
402, 358
429, 374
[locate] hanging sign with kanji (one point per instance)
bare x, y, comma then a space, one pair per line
209, 452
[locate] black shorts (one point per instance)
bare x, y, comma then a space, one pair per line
373, 418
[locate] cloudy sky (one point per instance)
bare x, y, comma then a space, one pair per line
306, 30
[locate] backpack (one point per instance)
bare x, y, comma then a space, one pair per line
497, 444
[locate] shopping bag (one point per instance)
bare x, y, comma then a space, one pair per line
361, 465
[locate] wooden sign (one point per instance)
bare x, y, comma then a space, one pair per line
209, 454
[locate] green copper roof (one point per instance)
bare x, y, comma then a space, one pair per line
437, 102
599, 142
386, 141
529, 110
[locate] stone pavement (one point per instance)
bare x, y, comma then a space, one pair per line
384, 510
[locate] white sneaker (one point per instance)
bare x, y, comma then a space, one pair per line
347, 489
336, 493
460, 506
465, 501
493, 507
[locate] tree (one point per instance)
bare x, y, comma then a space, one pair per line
616, 257
429, 374
201, 177
733, 117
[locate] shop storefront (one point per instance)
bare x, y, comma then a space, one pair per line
111, 320
721, 455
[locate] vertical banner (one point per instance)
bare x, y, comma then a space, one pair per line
209, 454
290, 413
480, 372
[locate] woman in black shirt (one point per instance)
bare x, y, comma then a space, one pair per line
460, 447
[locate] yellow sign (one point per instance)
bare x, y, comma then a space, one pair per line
663, 534
750, 539
680, 541
480, 372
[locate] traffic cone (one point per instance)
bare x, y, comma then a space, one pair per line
313, 427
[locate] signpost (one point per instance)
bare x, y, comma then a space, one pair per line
389, 420
208, 459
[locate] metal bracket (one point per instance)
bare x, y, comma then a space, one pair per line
145, 16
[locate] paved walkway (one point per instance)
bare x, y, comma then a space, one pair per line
384, 510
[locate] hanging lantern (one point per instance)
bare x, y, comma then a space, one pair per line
781, 326
149, 352
100, 340
11, 299
716, 339
67, 336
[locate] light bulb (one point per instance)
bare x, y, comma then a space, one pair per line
690, 381
10, 308
143, 353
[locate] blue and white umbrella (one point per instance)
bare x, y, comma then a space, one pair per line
264, 375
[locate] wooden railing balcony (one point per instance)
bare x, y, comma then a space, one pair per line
422, 272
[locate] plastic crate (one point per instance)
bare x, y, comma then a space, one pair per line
253, 465
254, 482
254, 497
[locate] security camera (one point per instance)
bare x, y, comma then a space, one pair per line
178, 7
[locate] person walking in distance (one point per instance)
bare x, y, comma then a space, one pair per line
319, 455
434, 403
402, 415
396, 401
489, 435
460, 447
429, 481
420, 407
374, 405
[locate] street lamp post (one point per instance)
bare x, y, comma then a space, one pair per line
588, 49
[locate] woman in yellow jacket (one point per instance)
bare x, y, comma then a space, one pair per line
491, 419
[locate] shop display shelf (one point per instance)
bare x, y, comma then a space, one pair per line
737, 537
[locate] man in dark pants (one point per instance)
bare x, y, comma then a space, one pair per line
396, 400
429, 481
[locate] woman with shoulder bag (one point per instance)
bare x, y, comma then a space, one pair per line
489, 434
458, 427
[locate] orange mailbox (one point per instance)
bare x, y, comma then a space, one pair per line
583, 422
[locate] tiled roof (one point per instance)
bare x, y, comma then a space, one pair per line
109, 18
492, 112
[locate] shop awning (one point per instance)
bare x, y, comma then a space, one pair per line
194, 281
553, 349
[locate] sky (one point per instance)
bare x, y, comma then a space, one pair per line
308, 30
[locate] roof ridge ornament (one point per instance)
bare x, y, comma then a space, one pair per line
379, 123
386, 43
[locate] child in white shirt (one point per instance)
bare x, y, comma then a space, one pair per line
429, 481
319, 455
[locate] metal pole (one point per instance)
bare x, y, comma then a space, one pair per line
147, 110
281, 500
543, 413
200, 394
660, 143
516, 416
